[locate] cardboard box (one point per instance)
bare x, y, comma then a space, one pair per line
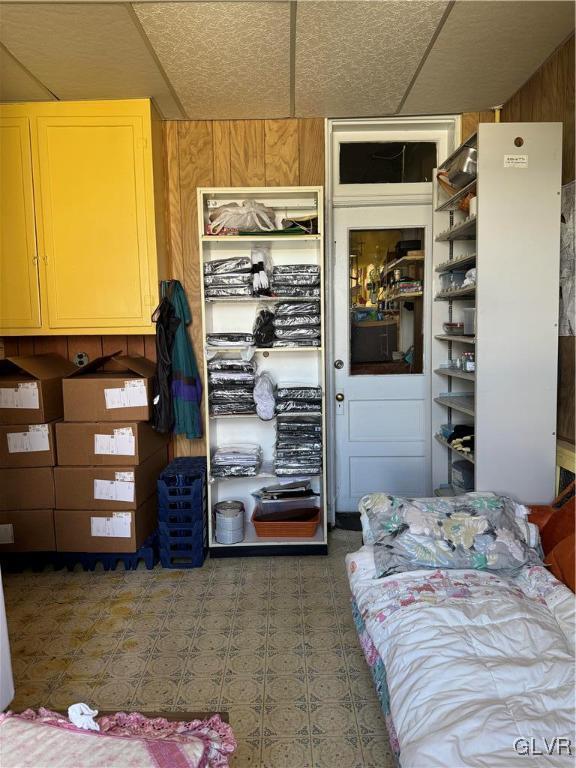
106, 444
110, 388
95, 531
27, 488
103, 488
31, 388
27, 530
27, 445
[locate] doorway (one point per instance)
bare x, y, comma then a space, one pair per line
381, 379
379, 195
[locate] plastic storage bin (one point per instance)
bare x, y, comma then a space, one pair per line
183, 535
286, 528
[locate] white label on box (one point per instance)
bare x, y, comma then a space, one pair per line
117, 526
125, 441
124, 477
515, 161
36, 439
104, 444
122, 443
7, 534
132, 395
8, 397
114, 490
23, 396
136, 393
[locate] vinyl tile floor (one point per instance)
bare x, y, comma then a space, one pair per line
271, 641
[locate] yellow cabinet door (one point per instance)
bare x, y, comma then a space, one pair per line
19, 285
91, 195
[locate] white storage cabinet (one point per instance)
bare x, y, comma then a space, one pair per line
514, 242
285, 364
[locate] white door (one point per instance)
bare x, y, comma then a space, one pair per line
381, 310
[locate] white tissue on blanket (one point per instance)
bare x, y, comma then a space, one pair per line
82, 716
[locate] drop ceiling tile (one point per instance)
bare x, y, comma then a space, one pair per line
356, 59
16, 84
86, 51
225, 60
485, 52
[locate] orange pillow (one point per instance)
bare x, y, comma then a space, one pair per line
561, 523
562, 562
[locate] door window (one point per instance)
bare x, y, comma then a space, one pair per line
385, 301
387, 162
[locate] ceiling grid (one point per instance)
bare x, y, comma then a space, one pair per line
210, 60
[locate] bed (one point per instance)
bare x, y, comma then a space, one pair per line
473, 667
131, 740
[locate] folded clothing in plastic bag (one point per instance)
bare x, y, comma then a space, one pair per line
231, 394
305, 425
218, 379
297, 333
232, 409
299, 392
297, 269
222, 266
298, 443
228, 279
297, 291
296, 321
287, 308
296, 343
242, 460
231, 364
230, 339
237, 290
294, 279
308, 469
298, 406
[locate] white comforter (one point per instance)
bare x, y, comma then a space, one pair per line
475, 663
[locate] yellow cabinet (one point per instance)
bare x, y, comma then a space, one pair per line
95, 167
19, 279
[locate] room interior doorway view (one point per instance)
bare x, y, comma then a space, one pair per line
381, 379
380, 173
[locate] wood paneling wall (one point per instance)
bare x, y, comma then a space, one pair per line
235, 153
68, 346
548, 97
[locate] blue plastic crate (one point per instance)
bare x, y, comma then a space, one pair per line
182, 504
184, 496
182, 551
184, 470
169, 531
110, 560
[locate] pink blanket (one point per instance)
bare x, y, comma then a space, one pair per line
46, 738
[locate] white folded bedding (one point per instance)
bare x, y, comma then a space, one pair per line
475, 663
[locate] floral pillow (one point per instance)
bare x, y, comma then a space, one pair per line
472, 531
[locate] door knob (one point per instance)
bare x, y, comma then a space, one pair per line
339, 397
339, 364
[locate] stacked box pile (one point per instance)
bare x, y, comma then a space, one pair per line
182, 523
109, 458
30, 404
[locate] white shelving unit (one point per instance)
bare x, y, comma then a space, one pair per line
285, 364
514, 243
